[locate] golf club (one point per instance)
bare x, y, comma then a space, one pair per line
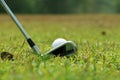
19, 25
63, 49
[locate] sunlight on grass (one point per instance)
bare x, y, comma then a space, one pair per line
97, 38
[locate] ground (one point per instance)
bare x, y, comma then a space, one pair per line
97, 38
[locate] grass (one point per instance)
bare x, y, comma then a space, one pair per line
97, 38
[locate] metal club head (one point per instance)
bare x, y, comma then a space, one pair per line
65, 48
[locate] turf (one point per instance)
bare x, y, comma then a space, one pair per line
97, 38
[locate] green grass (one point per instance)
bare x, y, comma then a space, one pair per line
98, 55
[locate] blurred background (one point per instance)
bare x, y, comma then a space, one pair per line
63, 6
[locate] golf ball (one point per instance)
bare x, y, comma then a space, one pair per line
58, 42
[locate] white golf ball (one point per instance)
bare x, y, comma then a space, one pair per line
58, 42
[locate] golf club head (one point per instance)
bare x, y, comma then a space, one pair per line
68, 48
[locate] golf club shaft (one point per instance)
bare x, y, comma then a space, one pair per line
19, 25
